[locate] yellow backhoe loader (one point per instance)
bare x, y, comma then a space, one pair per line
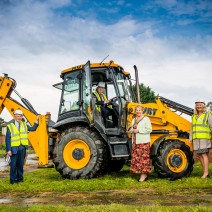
86, 145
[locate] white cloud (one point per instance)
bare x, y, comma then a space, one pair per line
37, 44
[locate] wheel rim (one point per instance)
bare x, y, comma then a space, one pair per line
76, 154
176, 160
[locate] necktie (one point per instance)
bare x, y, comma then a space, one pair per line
101, 97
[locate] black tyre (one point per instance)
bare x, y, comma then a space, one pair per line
115, 165
80, 153
174, 160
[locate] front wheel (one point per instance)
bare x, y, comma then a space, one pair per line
174, 160
80, 153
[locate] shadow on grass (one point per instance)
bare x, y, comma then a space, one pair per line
115, 176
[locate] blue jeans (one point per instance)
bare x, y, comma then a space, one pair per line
17, 165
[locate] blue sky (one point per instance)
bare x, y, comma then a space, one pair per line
170, 42
180, 17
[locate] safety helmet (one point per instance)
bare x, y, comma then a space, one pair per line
101, 84
200, 101
18, 112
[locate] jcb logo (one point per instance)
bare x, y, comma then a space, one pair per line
150, 111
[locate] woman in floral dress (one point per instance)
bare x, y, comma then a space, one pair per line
140, 158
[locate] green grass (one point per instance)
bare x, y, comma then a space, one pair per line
111, 192
49, 180
103, 208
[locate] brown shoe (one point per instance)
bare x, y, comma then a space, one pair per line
207, 176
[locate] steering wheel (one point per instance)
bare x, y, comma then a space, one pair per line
114, 99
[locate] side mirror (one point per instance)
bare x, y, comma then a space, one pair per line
108, 75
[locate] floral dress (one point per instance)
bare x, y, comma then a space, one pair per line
140, 158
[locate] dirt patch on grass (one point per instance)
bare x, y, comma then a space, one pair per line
138, 197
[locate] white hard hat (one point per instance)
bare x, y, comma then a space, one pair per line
18, 112
101, 84
200, 101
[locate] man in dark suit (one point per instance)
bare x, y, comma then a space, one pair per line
16, 144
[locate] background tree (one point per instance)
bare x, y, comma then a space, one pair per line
209, 106
146, 93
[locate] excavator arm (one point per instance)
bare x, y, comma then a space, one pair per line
38, 138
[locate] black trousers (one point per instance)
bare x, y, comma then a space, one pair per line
17, 165
105, 111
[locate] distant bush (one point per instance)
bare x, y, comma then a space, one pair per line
3, 146
2, 150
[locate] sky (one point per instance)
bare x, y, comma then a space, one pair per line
169, 41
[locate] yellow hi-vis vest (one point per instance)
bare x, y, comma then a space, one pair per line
99, 99
18, 137
200, 127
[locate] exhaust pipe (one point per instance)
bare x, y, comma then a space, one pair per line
137, 84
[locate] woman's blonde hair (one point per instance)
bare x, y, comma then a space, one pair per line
204, 108
139, 106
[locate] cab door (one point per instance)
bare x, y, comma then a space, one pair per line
87, 92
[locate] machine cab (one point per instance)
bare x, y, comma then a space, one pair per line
77, 99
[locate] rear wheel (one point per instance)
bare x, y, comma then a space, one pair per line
80, 153
174, 160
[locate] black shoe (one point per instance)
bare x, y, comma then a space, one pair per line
13, 182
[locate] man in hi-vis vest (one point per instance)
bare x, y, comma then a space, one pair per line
103, 104
16, 144
201, 133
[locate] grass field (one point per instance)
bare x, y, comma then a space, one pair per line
104, 208
45, 189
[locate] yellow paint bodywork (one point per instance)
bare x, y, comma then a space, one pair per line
38, 138
163, 119
93, 65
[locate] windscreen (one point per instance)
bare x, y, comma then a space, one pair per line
123, 86
70, 95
